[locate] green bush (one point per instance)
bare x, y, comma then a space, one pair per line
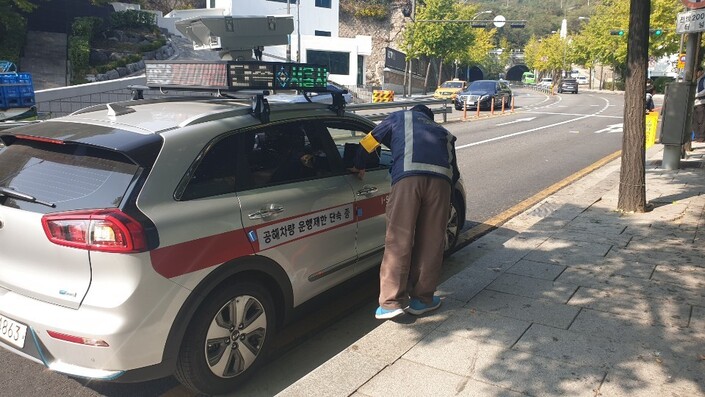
660, 84
159, 43
79, 53
13, 34
82, 30
370, 9
86, 26
132, 19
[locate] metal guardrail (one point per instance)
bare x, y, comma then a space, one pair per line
442, 108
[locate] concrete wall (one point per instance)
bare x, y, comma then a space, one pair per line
56, 102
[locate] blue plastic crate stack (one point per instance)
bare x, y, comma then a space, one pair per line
16, 89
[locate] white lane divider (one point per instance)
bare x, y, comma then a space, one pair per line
517, 121
498, 138
611, 129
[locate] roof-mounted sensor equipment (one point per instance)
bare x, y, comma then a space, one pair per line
236, 37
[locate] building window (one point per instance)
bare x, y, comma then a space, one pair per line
323, 3
212, 4
337, 62
322, 33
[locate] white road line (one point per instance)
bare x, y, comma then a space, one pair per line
517, 121
596, 114
530, 130
612, 128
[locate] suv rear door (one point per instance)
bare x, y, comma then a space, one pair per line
64, 177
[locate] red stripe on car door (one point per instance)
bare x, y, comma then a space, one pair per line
189, 256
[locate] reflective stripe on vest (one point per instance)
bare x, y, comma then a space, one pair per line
409, 164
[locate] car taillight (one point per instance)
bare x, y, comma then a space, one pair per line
108, 230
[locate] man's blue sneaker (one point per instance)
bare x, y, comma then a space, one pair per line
385, 314
416, 307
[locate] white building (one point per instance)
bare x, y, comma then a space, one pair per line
315, 38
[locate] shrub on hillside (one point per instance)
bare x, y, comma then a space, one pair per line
12, 39
372, 9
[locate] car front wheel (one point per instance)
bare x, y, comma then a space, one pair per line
227, 339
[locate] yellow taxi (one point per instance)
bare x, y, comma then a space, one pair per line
450, 89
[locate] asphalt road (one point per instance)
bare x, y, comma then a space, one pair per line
509, 158
504, 159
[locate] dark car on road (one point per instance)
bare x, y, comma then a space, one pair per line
568, 85
483, 93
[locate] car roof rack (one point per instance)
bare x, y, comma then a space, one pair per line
254, 79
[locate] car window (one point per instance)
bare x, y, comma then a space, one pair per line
347, 136
452, 84
264, 156
70, 176
482, 85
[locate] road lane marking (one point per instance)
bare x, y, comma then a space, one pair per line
517, 121
498, 138
576, 114
612, 128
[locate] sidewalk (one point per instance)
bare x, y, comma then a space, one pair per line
570, 298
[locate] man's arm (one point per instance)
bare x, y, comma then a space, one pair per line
369, 144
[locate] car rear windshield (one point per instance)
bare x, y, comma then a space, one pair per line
483, 85
452, 84
70, 176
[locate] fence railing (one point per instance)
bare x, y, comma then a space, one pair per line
438, 106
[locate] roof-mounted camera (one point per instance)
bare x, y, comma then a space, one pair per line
236, 38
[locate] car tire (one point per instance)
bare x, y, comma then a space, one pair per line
243, 341
453, 226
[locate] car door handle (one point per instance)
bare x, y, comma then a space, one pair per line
366, 190
270, 210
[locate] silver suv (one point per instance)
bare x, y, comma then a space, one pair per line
175, 236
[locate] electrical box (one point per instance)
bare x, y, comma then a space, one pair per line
675, 124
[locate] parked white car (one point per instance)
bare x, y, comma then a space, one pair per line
546, 82
582, 80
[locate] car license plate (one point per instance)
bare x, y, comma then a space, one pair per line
12, 332
471, 103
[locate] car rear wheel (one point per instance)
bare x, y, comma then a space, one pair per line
228, 338
453, 227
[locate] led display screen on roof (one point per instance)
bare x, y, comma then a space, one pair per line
237, 75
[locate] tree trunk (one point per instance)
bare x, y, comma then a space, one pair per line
428, 74
632, 183
440, 71
406, 72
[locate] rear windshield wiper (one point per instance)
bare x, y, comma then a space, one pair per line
4, 191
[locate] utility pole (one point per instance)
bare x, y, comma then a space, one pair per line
298, 31
288, 46
632, 180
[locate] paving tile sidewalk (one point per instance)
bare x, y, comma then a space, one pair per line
570, 298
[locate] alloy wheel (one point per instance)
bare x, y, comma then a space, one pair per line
235, 336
